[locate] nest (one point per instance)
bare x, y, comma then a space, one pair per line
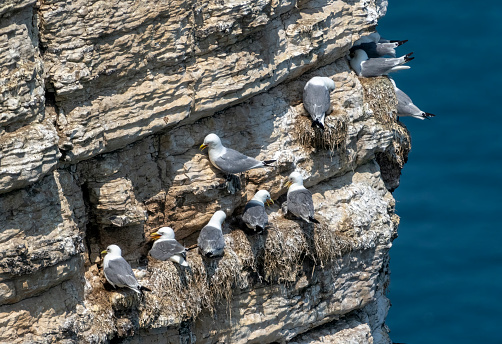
180, 294
380, 96
332, 137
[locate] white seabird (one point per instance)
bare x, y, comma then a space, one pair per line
299, 200
229, 160
211, 241
254, 216
365, 67
406, 108
316, 98
117, 270
166, 247
379, 49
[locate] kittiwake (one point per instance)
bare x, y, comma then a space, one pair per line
211, 242
166, 247
255, 217
229, 160
405, 106
316, 98
299, 200
375, 50
117, 270
375, 67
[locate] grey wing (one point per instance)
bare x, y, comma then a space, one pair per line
211, 240
383, 49
235, 162
120, 273
255, 215
405, 106
165, 249
316, 100
300, 203
377, 67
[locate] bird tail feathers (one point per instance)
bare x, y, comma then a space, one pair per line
318, 123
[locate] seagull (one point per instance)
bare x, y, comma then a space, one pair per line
166, 247
255, 217
379, 49
405, 106
316, 98
211, 242
118, 272
299, 200
375, 67
228, 160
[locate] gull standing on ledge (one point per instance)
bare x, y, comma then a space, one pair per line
299, 198
211, 241
166, 247
118, 272
405, 106
316, 98
255, 217
376, 67
229, 160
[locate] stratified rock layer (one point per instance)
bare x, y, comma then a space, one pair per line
103, 107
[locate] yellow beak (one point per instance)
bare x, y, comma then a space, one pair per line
202, 146
288, 183
269, 202
155, 236
104, 252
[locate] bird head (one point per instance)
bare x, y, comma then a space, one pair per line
211, 141
164, 233
264, 196
294, 178
113, 249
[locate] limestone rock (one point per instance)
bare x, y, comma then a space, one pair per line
103, 108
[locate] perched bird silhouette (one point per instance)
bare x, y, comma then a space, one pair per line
167, 248
299, 199
316, 98
211, 241
254, 216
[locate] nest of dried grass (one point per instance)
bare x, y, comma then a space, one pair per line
181, 294
380, 96
333, 136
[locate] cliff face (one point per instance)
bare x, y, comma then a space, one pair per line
103, 106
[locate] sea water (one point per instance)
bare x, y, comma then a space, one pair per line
446, 264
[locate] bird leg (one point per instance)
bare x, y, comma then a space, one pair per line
233, 183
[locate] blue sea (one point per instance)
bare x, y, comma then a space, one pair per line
446, 264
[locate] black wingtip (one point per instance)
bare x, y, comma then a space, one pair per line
142, 288
428, 115
318, 124
313, 220
401, 42
407, 59
268, 162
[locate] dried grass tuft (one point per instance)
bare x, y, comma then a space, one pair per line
332, 137
380, 96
